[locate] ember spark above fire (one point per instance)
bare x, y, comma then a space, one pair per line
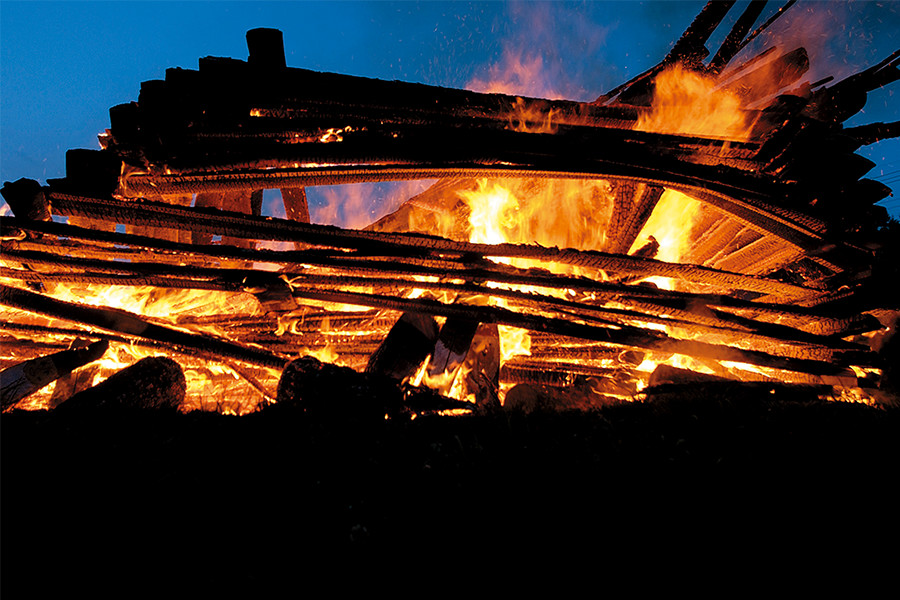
702, 220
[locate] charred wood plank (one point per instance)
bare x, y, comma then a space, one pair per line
633, 206
690, 49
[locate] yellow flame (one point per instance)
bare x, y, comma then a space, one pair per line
688, 103
670, 225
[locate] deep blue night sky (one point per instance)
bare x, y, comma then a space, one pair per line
63, 64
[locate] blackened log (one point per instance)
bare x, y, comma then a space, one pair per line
90, 172
22, 380
873, 132
325, 390
634, 203
841, 101
152, 383
672, 383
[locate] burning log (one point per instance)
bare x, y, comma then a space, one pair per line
327, 390
152, 383
28, 377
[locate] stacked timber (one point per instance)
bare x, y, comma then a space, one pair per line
780, 275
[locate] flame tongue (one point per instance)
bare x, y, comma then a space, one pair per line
688, 103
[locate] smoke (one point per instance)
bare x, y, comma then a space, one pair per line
841, 38
551, 51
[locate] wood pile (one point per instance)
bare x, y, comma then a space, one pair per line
786, 273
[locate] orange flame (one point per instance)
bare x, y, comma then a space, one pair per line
688, 103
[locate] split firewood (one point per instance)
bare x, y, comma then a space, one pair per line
406, 346
449, 352
152, 383
23, 379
